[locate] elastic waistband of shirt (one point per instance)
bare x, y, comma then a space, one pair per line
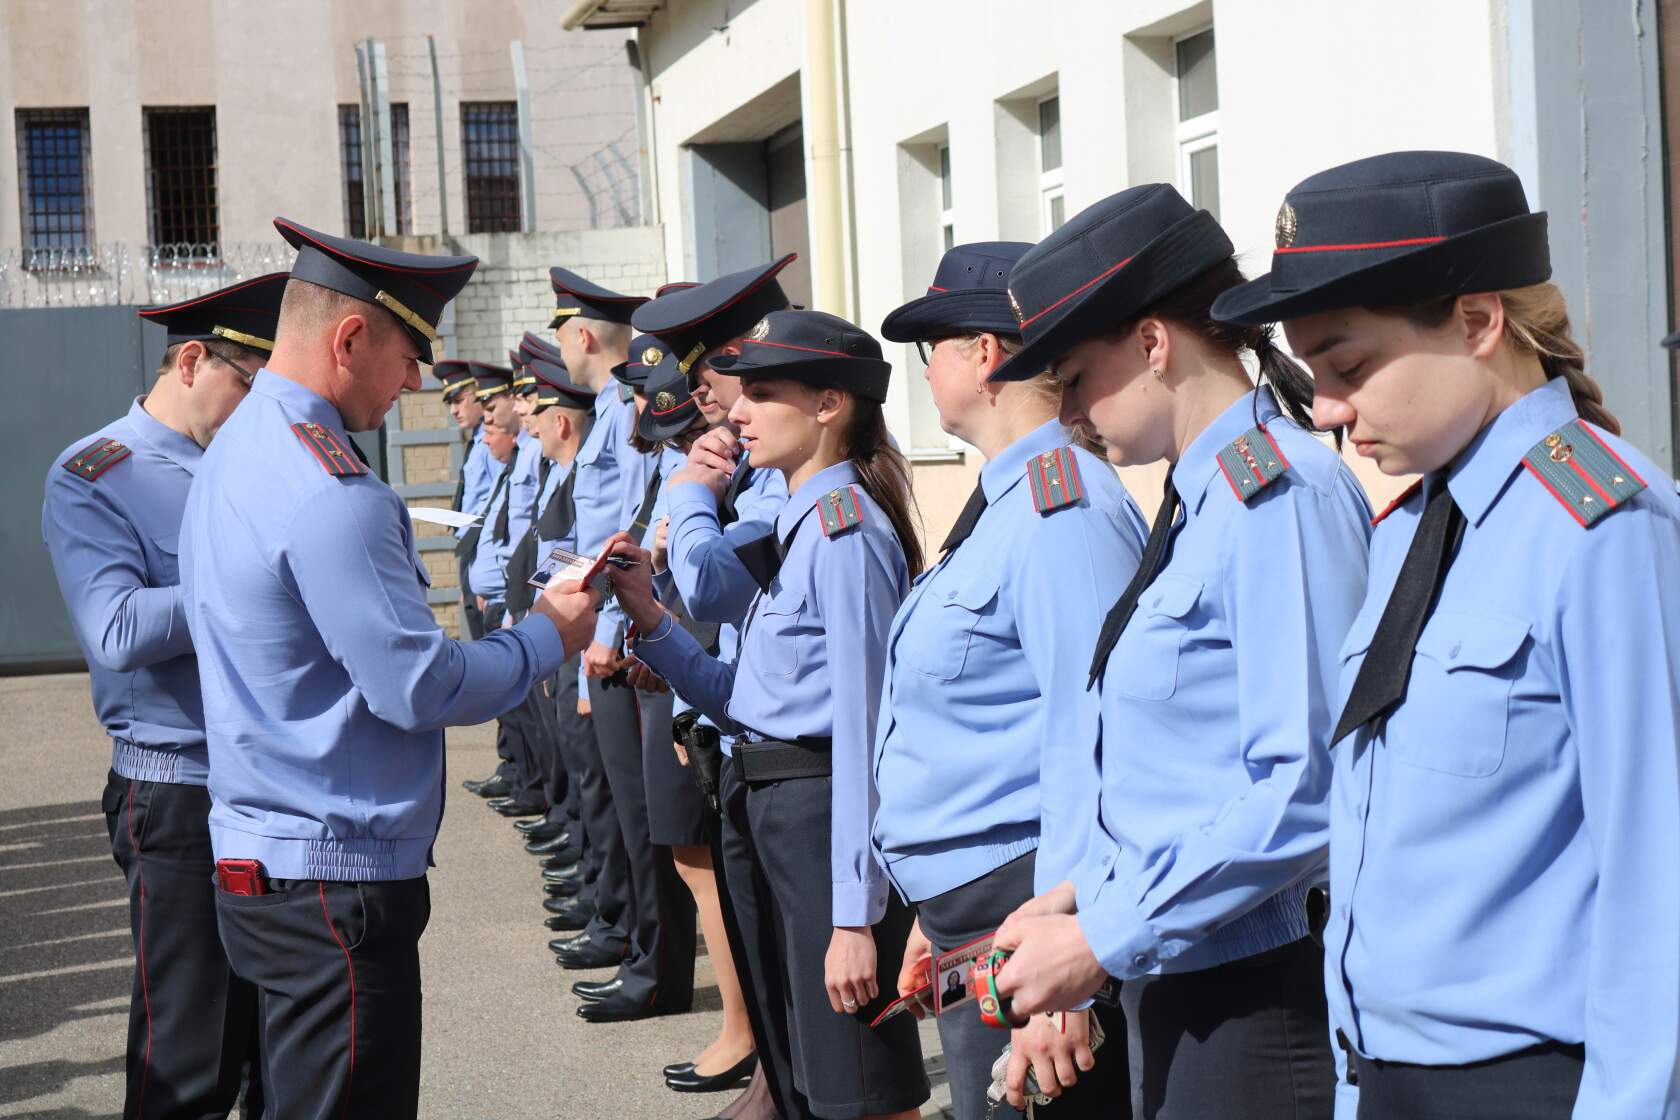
176, 765
922, 874
357, 859
1278, 921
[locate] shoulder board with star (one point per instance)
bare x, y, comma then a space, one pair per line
1054, 478
1252, 462
839, 510
96, 458
1403, 497
1578, 469
333, 456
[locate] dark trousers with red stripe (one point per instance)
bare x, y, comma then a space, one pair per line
192, 1024
337, 972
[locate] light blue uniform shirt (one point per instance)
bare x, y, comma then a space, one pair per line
599, 495
478, 477
113, 543
326, 679
810, 667
714, 584
1503, 854
987, 743
491, 559
1217, 704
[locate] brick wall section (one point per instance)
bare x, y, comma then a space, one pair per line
508, 295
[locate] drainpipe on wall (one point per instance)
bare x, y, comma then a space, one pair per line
823, 181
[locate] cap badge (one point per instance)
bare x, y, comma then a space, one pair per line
663, 401
760, 331
1016, 304
1284, 228
652, 356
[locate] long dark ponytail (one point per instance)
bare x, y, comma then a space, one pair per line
885, 475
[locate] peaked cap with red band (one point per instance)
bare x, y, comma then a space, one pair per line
814, 348
555, 386
696, 318
1394, 229
1108, 265
456, 376
671, 408
573, 295
970, 292
413, 288
247, 313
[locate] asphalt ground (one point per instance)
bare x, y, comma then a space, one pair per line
501, 1036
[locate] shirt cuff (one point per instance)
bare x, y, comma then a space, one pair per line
1118, 936
859, 904
545, 641
689, 497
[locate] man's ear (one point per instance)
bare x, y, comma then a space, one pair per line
353, 334
186, 362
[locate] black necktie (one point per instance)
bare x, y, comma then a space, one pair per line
536, 499
639, 527
762, 557
499, 532
460, 490
1154, 556
727, 514
557, 520
966, 520
1381, 684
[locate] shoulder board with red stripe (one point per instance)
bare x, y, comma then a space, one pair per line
1252, 462
1578, 469
1404, 496
839, 510
96, 458
1054, 477
328, 451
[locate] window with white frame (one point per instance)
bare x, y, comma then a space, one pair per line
1052, 207
947, 216
1198, 120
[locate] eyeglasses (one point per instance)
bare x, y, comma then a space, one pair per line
246, 375
926, 347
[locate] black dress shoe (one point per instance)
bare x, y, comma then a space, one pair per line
696, 1082
677, 1067
571, 873
569, 913
493, 786
550, 846
541, 828
616, 1008
565, 857
581, 953
596, 990
514, 808
566, 888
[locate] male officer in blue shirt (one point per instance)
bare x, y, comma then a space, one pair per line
473, 484
327, 681
111, 520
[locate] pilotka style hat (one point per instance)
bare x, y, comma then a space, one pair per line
970, 292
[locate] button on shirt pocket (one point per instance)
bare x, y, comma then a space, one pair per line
936, 642
1145, 660
1458, 701
775, 639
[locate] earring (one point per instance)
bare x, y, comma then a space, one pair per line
1159, 376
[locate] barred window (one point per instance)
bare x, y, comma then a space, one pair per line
490, 151
181, 178
350, 164
399, 158
53, 187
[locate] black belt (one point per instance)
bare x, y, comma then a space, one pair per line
775, 760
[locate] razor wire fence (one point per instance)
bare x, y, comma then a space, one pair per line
118, 273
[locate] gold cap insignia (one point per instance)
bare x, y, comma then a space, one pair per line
761, 330
664, 402
1016, 304
1284, 228
652, 356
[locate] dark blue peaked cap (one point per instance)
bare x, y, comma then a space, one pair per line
671, 408
533, 345
573, 295
1394, 229
645, 353
812, 347
555, 386
691, 321
456, 375
246, 313
491, 379
970, 292
412, 287
1108, 265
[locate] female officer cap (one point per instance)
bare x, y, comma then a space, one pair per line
1108, 265
1394, 229
812, 347
970, 292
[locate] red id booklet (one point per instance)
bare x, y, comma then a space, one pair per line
947, 983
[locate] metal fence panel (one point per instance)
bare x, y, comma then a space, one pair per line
69, 371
